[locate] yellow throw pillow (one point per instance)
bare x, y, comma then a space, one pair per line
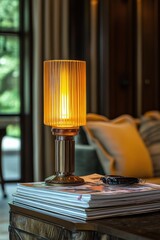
120, 147
96, 117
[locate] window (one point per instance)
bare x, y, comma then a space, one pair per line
14, 37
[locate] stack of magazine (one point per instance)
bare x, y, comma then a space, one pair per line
92, 200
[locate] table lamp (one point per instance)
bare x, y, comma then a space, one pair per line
64, 112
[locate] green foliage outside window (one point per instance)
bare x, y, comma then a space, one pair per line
10, 62
9, 14
13, 130
9, 57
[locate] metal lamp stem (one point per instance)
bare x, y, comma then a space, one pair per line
64, 158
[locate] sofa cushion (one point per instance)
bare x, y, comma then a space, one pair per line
120, 147
96, 117
81, 137
86, 160
150, 133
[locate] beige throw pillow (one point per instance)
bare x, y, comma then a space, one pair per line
120, 148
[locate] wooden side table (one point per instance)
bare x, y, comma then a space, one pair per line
32, 225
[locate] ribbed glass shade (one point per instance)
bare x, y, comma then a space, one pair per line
64, 93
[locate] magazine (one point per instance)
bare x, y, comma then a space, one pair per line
91, 200
89, 213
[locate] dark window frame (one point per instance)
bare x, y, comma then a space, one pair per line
25, 115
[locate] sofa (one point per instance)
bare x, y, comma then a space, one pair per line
124, 146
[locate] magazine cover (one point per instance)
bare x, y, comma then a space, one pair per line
93, 189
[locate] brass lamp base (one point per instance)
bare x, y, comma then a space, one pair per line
64, 159
64, 180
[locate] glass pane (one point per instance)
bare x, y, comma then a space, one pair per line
9, 14
11, 149
9, 75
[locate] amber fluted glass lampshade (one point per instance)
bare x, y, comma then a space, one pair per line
64, 93
65, 112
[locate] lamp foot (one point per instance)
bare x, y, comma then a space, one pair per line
64, 180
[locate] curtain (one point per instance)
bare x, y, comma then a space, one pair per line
50, 41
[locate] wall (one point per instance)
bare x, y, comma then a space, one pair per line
121, 36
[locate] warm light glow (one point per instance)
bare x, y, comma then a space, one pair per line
64, 93
64, 100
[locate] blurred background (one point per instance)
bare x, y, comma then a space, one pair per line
118, 39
